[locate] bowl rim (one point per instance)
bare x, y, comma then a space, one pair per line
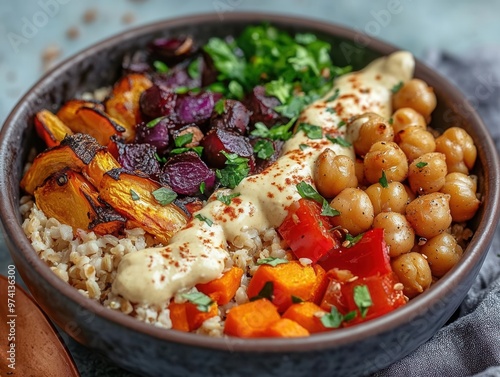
445, 286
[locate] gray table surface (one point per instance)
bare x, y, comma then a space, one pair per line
30, 29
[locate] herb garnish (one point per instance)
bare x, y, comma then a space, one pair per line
181, 90
303, 146
219, 106
421, 164
160, 66
308, 192
164, 196
267, 291
296, 299
342, 123
391, 120
272, 261
383, 180
277, 132
182, 140
134, 195
396, 88
334, 319
362, 299
226, 199
205, 219
201, 300
331, 110
351, 241
264, 149
194, 69
235, 170
198, 150
312, 131
334, 96
153, 122
203, 186
236, 90
339, 140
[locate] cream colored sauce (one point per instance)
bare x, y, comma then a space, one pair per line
196, 254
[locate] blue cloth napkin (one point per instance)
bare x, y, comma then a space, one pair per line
470, 345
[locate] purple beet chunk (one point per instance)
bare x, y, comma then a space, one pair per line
196, 108
235, 117
185, 172
178, 76
208, 71
139, 157
218, 139
171, 50
262, 107
156, 102
157, 136
261, 164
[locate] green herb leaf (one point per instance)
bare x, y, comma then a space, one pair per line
181, 89
194, 69
305, 38
296, 299
203, 187
342, 123
267, 291
331, 110
164, 196
153, 122
226, 61
308, 192
277, 132
353, 240
235, 170
362, 299
383, 180
160, 159
236, 90
205, 219
338, 140
279, 89
391, 120
334, 96
264, 149
312, 131
226, 199
332, 320
326, 210
219, 106
201, 300
396, 88
303, 146
216, 87
134, 195
421, 164
272, 261
160, 66
182, 140
350, 316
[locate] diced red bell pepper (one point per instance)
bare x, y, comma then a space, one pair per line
306, 231
369, 256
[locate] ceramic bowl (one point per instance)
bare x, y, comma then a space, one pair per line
148, 350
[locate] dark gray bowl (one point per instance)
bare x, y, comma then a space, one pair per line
150, 351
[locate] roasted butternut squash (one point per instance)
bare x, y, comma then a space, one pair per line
50, 128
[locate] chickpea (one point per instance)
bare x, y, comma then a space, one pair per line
429, 214
427, 173
459, 149
360, 173
356, 211
366, 129
442, 252
392, 198
405, 117
385, 156
462, 191
413, 272
415, 141
398, 233
417, 95
332, 173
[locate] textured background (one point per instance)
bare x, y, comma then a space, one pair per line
35, 34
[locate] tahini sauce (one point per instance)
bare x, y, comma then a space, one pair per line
196, 254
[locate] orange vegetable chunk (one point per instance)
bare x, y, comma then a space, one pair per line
285, 328
187, 317
223, 289
308, 315
289, 279
50, 128
251, 320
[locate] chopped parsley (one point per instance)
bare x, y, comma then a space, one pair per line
277, 132
164, 196
160, 66
264, 149
396, 88
236, 90
205, 219
226, 199
181, 90
279, 89
272, 261
153, 122
421, 164
159, 158
342, 123
383, 180
334, 96
267, 291
219, 106
203, 187
235, 170
308, 192
134, 195
334, 319
201, 300
351, 241
331, 110
303, 146
338, 140
198, 150
391, 120
362, 299
312, 131
182, 140
296, 299
194, 69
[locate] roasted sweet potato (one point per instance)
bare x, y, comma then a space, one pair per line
70, 198
186, 316
285, 328
89, 118
223, 289
123, 103
74, 152
136, 197
251, 320
50, 128
308, 315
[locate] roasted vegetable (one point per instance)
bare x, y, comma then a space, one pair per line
70, 198
50, 128
155, 133
171, 50
139, 157
123, 104
196, 108
156, 102
187, 316
251, 320
285, 328
232, 115
223, 289
144, 202
219, 140
308, 315
262, 107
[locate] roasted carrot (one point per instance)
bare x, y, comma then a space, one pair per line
50, 128
287, 282
223, 289
178, 317
308, 315
285, 328
187, 317
252, 319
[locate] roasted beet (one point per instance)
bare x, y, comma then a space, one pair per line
139, 157
208, 71
136, 62
234, 117
218, 139
195, 131
179, 76
185, 173
196, 108
157, 135
262, 164
171, 50
156, 102
262, 107
189, 204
